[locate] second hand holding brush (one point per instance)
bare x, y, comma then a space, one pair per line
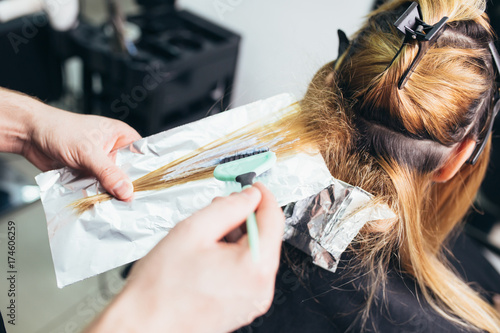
243, 170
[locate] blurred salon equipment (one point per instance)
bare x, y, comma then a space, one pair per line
155, 69
16, 190
27, 64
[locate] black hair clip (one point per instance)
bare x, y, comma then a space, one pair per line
344, 42
411, 24
494, 110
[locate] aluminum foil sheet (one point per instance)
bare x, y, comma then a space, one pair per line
115, 233
323, 214
324, 224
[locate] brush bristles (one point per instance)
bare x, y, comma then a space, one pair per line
284, 136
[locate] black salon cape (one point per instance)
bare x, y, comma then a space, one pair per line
329, 302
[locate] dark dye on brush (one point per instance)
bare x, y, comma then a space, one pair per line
243, 155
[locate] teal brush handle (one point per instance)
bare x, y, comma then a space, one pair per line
253, 234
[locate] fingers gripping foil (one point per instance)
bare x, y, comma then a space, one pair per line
323, 225
113, 233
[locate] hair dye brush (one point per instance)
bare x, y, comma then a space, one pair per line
243, 169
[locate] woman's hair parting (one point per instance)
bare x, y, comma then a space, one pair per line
391, 138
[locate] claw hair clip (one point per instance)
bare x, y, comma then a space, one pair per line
493, 113
414, 28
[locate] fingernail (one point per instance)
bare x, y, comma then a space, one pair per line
250, 191
123, 189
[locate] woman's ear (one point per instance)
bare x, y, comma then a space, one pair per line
457, 158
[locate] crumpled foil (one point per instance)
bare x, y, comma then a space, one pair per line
324, 224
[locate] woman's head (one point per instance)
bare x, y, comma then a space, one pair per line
397, 143
445, 100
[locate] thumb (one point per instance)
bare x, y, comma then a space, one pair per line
111, 177
224, 215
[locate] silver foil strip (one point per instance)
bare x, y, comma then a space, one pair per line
323, 225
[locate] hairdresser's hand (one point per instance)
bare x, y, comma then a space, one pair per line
192, 281
58, 138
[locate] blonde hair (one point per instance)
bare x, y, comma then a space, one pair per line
390, 142
278, 133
